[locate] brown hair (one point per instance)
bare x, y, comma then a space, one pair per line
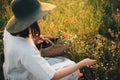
33, 29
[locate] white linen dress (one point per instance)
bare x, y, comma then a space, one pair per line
24, 62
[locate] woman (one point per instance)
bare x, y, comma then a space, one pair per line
23, 61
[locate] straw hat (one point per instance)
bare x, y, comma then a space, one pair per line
26, 12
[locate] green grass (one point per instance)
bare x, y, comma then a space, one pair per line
82, 19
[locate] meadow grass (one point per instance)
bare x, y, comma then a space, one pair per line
79, 22
72, 16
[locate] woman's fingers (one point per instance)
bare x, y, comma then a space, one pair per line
89, 62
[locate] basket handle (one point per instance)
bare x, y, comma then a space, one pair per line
50, 42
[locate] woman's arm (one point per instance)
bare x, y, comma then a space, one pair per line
68, 70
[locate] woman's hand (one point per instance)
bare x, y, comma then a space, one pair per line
39, 39
88, 62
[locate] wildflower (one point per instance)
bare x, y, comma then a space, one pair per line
66, 35
66, 21
75, 20
79, 74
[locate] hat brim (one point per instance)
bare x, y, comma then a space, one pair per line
16, 25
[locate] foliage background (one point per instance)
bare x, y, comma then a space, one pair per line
95, 29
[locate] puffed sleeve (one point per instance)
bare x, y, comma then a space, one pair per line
37, 65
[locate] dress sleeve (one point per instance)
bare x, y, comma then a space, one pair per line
37, 65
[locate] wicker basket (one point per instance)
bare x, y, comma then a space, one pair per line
54, 50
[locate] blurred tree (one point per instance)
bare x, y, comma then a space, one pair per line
110, 27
